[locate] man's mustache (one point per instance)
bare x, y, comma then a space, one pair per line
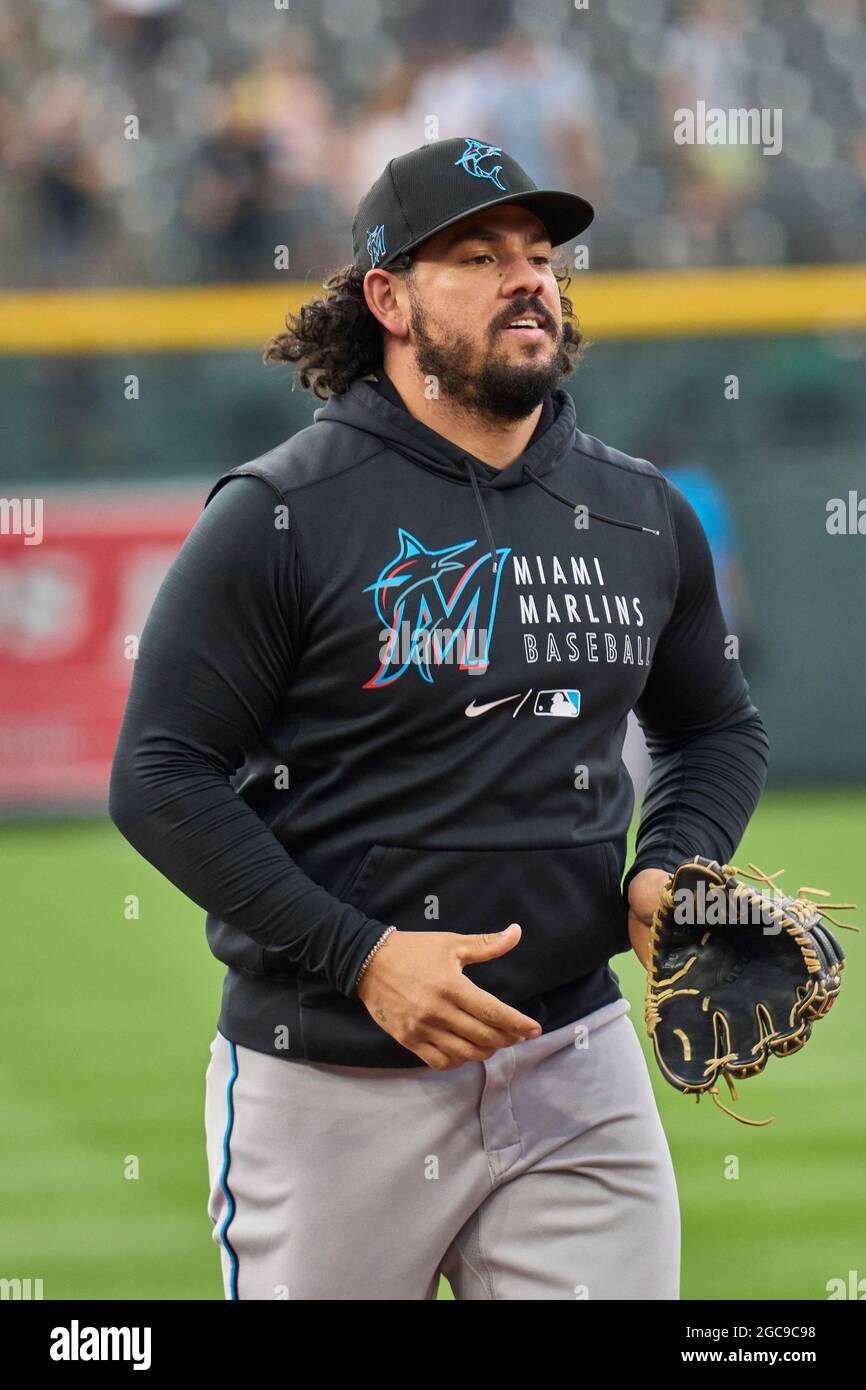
520, 310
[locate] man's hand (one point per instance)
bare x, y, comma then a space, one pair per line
644, 892
415, 989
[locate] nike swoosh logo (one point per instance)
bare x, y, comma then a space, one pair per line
472, 709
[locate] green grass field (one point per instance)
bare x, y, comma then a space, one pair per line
106, 1026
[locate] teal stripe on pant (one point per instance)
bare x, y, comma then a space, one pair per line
229, 1212
542, 1173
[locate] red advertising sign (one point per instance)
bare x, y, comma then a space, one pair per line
78, 574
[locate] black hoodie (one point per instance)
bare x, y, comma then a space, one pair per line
386, 683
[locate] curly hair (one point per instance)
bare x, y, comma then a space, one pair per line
335, 340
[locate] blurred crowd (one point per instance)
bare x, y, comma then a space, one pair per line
149, 141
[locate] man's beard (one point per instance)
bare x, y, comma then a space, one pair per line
500, 390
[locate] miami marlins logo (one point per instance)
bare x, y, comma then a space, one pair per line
376, 244
428, 601
471, 158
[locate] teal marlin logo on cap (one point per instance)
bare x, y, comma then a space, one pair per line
471, 158
376, 244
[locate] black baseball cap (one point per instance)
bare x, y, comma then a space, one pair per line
421, 192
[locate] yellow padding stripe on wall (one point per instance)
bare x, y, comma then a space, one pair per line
627, 305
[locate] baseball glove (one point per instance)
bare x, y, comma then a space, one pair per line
735, 974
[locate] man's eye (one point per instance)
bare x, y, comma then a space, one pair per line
544, 260
482, 256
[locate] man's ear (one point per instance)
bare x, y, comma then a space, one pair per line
384, 300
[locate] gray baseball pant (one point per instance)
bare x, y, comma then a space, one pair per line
542, 1173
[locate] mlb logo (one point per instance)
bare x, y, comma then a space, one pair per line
565, 703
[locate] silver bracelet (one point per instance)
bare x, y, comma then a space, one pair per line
381, 942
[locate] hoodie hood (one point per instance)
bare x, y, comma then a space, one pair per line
365, 407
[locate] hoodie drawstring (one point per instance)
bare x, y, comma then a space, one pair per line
481, 508
566, 501
597, 516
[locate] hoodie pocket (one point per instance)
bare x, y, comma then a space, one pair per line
354, 891
567, 900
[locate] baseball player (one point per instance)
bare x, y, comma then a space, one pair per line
375, 731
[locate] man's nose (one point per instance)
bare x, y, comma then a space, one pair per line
522, 277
